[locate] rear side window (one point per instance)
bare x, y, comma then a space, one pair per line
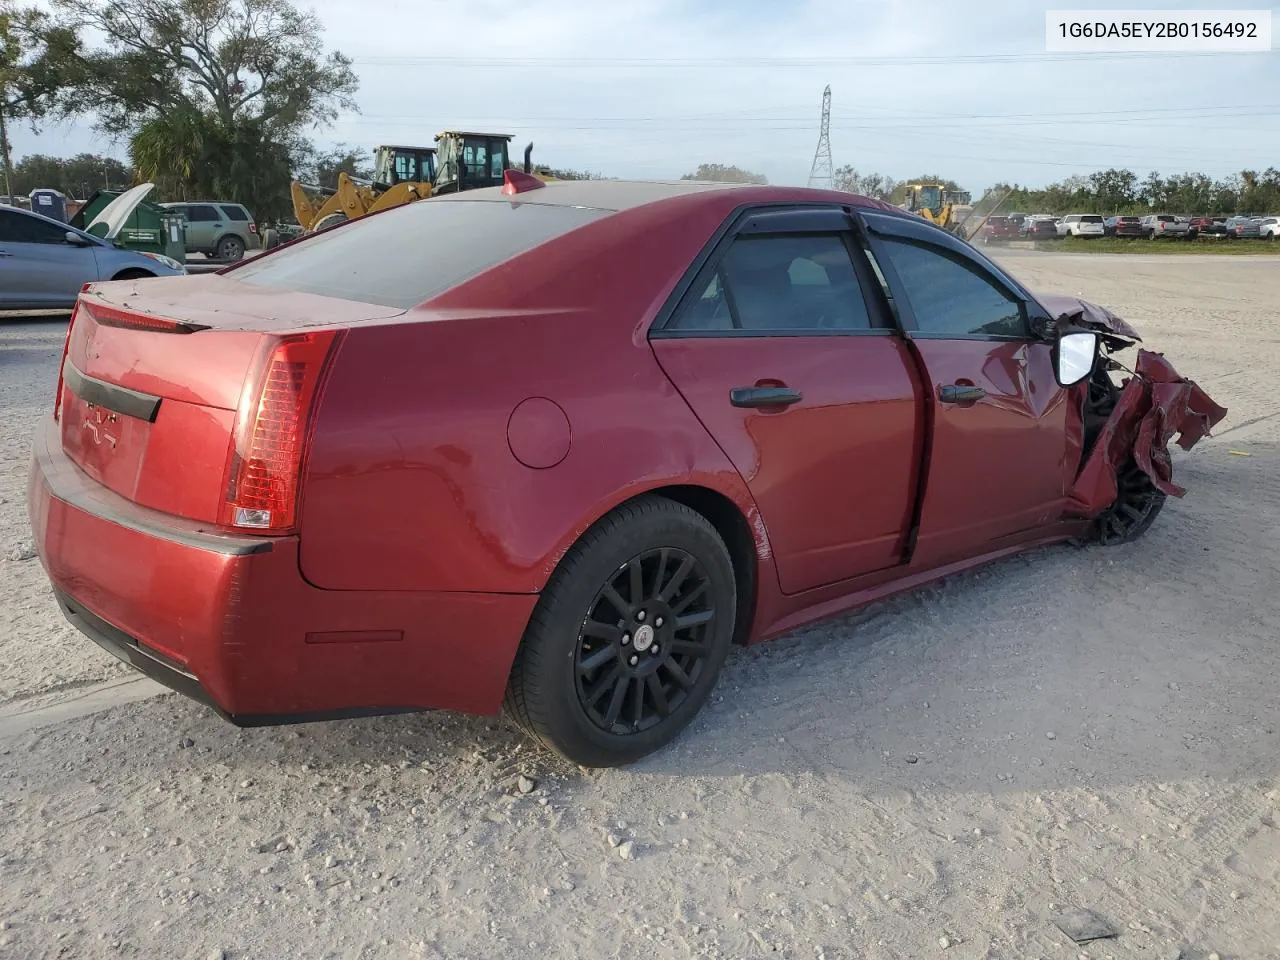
236, 213
18, 228
952, 299
781, 283
1090, 219
410, 254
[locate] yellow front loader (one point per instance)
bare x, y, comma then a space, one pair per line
936, 203
467, 161
400, 175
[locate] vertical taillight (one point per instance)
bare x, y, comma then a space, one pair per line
62, 364
273, 426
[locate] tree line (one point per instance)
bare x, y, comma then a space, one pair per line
1119, 192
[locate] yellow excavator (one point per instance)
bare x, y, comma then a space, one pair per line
460, 160
936, 203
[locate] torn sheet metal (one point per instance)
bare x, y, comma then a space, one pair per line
1155, 404
1074, 312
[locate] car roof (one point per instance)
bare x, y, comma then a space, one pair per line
618, 195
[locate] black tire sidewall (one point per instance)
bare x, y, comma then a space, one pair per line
235, 243
559, 718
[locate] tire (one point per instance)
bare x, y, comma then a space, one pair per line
1135, 509
331, 220
270, 239
591, 662
230, 248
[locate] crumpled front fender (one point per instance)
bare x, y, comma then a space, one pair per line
1154, 405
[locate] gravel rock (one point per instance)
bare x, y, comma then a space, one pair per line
627, 850
944, 942
525, 785
613, 839
1051, 735
21, 552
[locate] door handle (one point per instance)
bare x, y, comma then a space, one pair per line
5, 253
764, 396
957, 393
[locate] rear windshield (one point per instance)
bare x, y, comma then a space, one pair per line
405, 256
1090, 219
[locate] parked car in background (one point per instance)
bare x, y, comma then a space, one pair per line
1207, 227
44, 262
1158, 225
1123, 226
1081, 225
998, 228
1040, 227
568, 452
1034, 224
1244, 228
1269, 228
221, 231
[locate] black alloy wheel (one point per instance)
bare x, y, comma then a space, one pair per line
1135, 508
628, 637
645, 641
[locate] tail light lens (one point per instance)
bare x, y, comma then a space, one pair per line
253, 227
273, 425
62, 364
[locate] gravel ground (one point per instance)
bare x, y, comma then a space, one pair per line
941, 774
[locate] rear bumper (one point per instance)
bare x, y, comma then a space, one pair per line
230, 621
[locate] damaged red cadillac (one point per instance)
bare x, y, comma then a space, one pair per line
557, 446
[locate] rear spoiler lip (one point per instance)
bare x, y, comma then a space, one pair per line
107, 314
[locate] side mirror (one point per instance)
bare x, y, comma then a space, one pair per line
1074, 355
75, 239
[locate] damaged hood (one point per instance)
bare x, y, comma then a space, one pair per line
1070, 311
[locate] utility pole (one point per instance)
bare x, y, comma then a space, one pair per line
5, 159
821, 172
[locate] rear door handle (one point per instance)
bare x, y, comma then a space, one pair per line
956, 393
764, 396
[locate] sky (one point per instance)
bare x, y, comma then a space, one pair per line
651, 88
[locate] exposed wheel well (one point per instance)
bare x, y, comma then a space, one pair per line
133, 273
732, 526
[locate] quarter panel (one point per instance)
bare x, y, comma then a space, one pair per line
412, 484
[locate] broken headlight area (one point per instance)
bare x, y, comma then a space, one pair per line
1127, 427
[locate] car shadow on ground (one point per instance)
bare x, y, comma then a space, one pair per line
1057, 668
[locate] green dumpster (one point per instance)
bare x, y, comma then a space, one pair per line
148, 227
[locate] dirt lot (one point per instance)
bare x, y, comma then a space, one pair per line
937, 776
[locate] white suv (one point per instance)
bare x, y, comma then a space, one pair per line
1081, 225
1269, 229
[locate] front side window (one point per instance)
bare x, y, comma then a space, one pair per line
199, 213
781, 283
950, 298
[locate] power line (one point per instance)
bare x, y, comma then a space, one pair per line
595, 63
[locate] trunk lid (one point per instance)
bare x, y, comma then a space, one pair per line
156, 370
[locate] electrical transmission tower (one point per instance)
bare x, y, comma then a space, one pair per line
820, 172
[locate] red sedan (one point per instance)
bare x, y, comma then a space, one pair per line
562, 445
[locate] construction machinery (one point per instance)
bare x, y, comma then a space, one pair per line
460, 160
936, 203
